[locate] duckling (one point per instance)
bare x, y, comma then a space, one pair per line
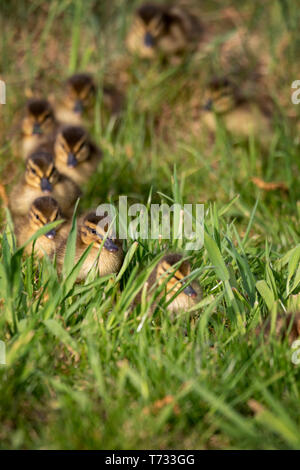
285, 325
77, 98
42, 211
241, 116
41, 178
90, 232
75, 155
173, 278
162, 30
38, 124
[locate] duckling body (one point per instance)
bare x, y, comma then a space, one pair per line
43, 211
162, 275
38, 124
162, 30
41, 179
89, 232
243, 121
42, 245
108, 263
75, 155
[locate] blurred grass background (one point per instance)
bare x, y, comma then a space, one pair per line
84, 372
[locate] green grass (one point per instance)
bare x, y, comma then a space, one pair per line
83, 370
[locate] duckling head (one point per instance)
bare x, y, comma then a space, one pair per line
150, 23
171, 272
93, 231
40, 171
39, 118
79, 93
219, 96
43, 211
72, 146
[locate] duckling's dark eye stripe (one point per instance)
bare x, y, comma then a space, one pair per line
34, 170
47, 116
176, 275
81, 146
51, 172
93, 231
36, 216
55, 217
173, 276
86, 92
30, 167
64, 146
88, 231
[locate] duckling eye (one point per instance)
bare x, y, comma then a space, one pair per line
93, 231
81, 147
63, 147
37, 217
33, 171
46, 118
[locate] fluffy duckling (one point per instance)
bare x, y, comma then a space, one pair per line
285, 325
171, 273
90, 232
77, 98
38, 124
42, 211
241, 116
76, 156
41, 178
162, 30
